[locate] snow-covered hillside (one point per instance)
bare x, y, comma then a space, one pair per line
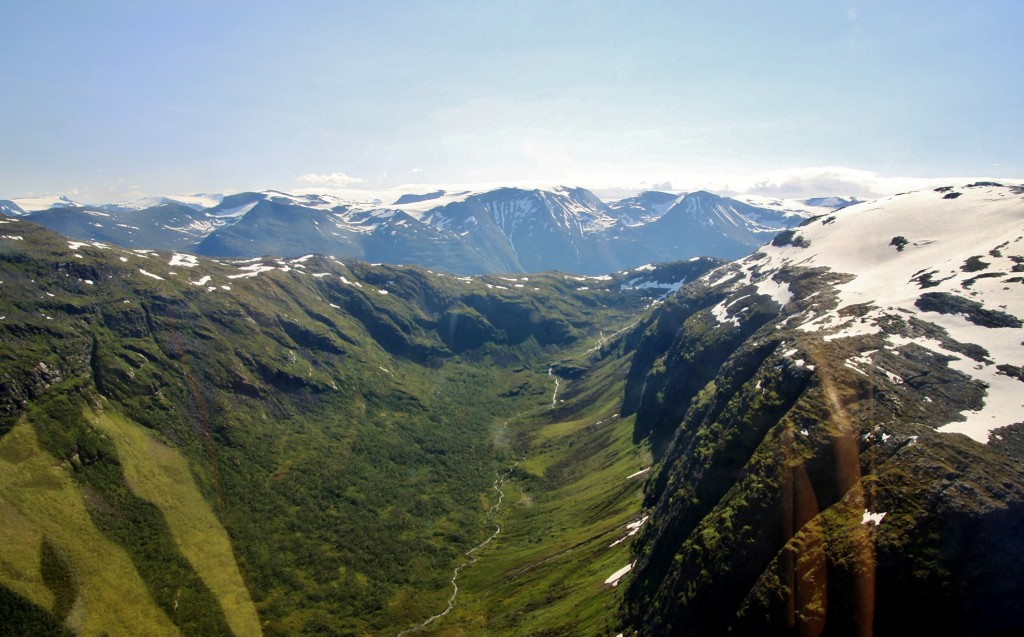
23, 205
196, 202
947, 263
799, 207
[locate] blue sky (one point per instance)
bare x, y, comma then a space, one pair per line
114, 100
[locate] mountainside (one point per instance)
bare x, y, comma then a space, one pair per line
531, 230
644, 208
704, 223
839, 418
504, 230
196, 202
277, 446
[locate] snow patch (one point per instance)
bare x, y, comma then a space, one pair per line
184, 260
779, 292
638, 473
614, 578
631, 529
891, 252
872, 518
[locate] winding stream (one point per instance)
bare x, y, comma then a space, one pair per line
558, 381
471, 554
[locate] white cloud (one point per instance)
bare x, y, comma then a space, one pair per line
612, 182
833, 180
793, 183
332, 180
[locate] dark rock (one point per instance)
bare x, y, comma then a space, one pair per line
974, 264
945, 303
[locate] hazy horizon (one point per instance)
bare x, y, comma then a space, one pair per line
113, 101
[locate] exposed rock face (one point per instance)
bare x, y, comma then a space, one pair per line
810, 401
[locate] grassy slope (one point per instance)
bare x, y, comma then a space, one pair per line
41, 500
161, 475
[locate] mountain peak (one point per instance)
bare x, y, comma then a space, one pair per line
505, 229
414, 198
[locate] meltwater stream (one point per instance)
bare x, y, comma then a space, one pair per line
472, 554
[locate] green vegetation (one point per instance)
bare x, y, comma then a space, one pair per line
24, 619
160, 474
44, 506
567, 500
293, 451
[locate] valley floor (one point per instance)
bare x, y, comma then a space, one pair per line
570, 503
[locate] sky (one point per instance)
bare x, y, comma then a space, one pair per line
111, 101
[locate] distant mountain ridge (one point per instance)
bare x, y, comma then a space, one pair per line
502, 230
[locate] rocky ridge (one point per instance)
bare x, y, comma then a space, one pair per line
840, 421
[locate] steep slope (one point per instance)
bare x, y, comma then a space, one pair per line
809, 405
643, 208
532, 230
701, 223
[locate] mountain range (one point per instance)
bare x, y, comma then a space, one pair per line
504, 230
823, 436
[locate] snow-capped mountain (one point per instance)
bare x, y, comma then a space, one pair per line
25, 205
643, 208
196, 202
10, 209
503, 230
702, 223
799, 207
527, 230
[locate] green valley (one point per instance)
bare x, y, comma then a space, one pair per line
308, 446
